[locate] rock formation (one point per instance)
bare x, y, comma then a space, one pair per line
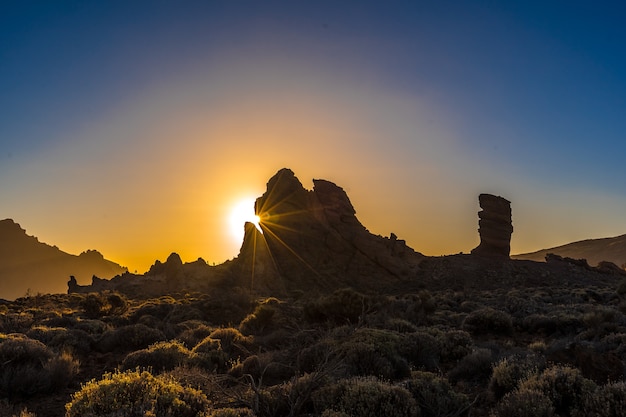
313, 240
495, 227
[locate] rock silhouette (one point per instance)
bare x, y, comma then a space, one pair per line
312, 242
495, 227
28, 264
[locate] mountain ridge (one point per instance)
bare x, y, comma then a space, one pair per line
28, 265
611, 249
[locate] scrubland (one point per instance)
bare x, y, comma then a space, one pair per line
520, 352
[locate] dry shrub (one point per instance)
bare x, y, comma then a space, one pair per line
192, 336
474, 367
261, 319
233, 343
488, 321
129, 338
209, 355
608, 400
161, 356
136, 394
524, 403
75, 340
341, 307
508, 373
366, 397
435, 397
455, 345
96, 305
566, 388
30, 368
231, 412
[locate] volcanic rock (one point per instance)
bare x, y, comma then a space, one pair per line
313, 240
495, 227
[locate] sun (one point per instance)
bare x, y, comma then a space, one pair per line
242, 212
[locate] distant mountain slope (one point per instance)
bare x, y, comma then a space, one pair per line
27, 264
612, 249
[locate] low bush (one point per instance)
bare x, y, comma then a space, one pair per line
73, 340
136, 394
30, 368
474, 367
210, 356
190, 337
231, 412
232, 342
366, 397
488, 321
341, 307
566, 388
607, 400
377, 353
524, 403
455, 345
129, 338
507, 374
161, 356
435, 397
261, 319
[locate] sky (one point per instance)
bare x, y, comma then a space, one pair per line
136, 128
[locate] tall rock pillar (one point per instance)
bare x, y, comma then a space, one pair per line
495, 226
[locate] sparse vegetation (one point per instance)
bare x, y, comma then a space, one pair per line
436, 353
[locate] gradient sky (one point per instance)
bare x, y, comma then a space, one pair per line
135, 127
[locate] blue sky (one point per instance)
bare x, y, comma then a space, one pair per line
132, 127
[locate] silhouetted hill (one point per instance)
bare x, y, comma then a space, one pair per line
27, 264
612, 249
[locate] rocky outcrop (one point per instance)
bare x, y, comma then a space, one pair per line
495, 227
312, 239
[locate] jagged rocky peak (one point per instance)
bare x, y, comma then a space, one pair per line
313, 239
495, 226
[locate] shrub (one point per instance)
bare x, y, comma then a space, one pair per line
192, 336
566, 388
474, 367
261, 319
75, 340
414, 307
94, 305
161, 356
434, 395
209, 355
455, 344
231, 412
341, 307
507, 374
366, 397
136, 394
16, 322
524, 403
376, 352
117, 304
30, 368
488, 321
233, 343
131, 337
608, 400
